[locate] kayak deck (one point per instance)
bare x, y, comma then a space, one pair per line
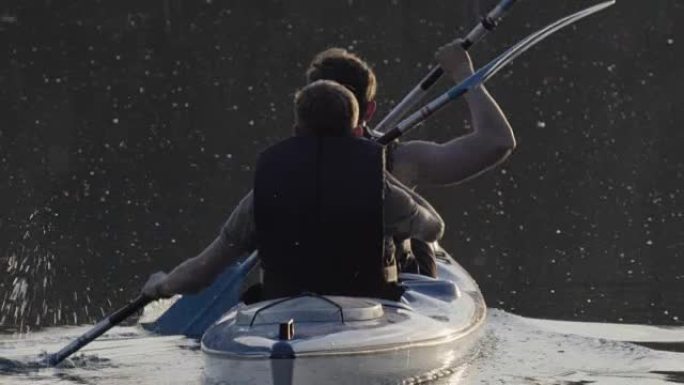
345, 325
351, 340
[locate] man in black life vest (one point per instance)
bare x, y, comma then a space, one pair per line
323, 212
418, 163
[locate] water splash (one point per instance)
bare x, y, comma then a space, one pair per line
29, 276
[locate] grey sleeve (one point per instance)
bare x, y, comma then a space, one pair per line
406, 218
239, 233
237, 238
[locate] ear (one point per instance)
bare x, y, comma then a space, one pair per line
371, 107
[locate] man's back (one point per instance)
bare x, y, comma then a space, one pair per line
318, 210
316, 213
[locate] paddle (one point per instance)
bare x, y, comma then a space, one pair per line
100, 328
97, 330
488, 23
486, 72
192, 314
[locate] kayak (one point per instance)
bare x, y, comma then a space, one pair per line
314, 339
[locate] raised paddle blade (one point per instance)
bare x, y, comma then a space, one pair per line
191, 315
486, 72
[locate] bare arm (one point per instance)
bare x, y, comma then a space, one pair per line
464, 157
191, 276
406, 217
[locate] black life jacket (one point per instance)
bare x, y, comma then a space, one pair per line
318, 210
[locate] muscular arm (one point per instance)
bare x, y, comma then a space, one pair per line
408, 215
464, 157
236, 239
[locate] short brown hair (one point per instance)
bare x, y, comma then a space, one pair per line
327, 108
347, 69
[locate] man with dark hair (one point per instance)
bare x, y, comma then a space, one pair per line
320, 111
423, 163
323, 212
349, 70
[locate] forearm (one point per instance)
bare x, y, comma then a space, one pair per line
199, 272
237, 238
489, 122
430, 228
427, 163
422, 202
406, 218
430, 225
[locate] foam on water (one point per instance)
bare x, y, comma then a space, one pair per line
514, 350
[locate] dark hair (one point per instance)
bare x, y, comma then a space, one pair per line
327, 108
347, 69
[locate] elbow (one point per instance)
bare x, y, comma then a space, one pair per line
492, 150
507, 144
502, 149
437, 236
512, 144
440, 231
434, 233
433, 237
501, 141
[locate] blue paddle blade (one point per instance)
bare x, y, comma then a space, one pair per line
191, 315
489, 70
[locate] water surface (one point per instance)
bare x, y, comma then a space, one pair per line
514, 350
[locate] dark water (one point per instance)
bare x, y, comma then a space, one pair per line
130, 129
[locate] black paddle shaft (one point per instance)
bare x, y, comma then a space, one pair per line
128, 310
99, 329
487, 22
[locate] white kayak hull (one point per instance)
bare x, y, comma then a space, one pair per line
402, 366
344, 340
